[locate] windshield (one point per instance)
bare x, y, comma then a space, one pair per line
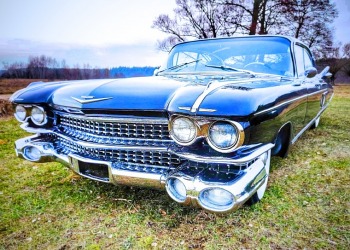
270, 55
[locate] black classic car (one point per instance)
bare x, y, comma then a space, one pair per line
204, 127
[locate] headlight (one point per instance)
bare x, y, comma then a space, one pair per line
31, 153
176, 189
223, 136
20, 113
216, 199
38, 115
183, 130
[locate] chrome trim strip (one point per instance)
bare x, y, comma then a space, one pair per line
214, 85
224, 160
185, 108
311, 122
289, 101
133, 178
25, 126
207, 110
116, 119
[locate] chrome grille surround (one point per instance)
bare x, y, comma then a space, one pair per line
133, 144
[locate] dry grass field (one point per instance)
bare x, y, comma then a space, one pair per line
9, 86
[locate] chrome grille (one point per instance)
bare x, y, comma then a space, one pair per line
127, 129
143, 157
141, 168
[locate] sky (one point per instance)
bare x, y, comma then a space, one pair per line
103, 33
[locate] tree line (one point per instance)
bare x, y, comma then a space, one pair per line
45, 67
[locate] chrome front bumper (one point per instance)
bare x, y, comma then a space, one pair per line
195, 183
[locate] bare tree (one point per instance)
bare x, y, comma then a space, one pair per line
197, 19
15, 70
258, 16
308, 20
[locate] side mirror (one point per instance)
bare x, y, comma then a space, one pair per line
328, 75
310, 72
156, 71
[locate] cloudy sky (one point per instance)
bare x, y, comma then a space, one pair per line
103, 33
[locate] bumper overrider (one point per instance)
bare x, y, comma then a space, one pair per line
198, 180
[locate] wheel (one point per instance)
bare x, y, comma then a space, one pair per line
261, 191
316, 122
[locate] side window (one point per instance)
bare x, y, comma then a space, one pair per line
299, 57
303, 59
307, 59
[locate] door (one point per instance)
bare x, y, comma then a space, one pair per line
315, 87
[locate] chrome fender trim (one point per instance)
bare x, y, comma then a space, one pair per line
242, 187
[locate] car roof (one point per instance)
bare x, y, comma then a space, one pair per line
292, 39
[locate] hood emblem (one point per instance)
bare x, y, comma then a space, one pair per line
201, 109
88, 99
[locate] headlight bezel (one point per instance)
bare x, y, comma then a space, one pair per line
44, 120
174, 136
239, 137
26, 113
203, 126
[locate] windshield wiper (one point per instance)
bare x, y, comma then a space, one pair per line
178, 66
223, 67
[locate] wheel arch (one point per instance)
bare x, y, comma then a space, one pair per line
283, 140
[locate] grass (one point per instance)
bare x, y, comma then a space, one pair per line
306, 206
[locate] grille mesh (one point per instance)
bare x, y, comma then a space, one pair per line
114, 129
154, 158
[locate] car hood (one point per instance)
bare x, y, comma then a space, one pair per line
146, 93
235, 96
